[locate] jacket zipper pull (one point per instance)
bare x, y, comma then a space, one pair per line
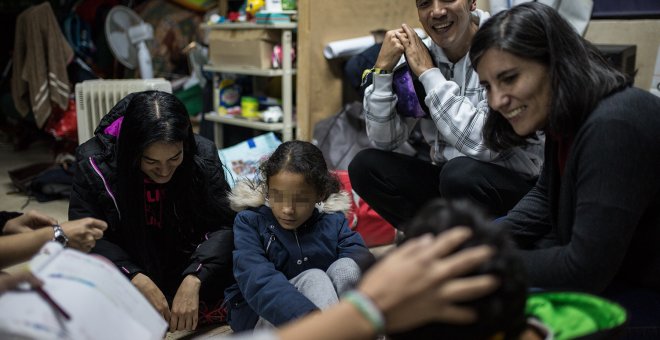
299, 261
270, 240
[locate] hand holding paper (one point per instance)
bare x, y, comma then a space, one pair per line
97, 297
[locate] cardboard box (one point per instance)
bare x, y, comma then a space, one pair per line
250, 48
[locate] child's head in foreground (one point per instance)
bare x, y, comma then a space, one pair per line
500, 314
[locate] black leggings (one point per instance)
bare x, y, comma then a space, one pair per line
397, 185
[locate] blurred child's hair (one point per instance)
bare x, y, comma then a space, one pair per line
303, 158
501, 314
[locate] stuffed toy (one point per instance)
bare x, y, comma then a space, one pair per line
253, 6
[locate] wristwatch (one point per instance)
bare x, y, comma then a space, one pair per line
59, 235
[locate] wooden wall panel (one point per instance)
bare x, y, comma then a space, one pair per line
643, 33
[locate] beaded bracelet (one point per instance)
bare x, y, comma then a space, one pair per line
367, 308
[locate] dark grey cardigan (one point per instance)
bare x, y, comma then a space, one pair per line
600, 222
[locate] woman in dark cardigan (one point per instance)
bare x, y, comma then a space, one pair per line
592, 222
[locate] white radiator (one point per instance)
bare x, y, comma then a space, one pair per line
95, 98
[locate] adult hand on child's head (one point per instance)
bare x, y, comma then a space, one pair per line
420, 282
417, 54
153, 294
185, 306
391, 50
28, 222
83, 233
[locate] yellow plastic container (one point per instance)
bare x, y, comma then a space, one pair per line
249, 107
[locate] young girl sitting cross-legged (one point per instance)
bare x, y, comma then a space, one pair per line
294, 252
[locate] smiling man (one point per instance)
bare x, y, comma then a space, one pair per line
438, 72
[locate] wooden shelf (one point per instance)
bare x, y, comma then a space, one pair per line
286, 72
250, 25
244, 122
248, 71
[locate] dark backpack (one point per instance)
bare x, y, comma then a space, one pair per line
44, 181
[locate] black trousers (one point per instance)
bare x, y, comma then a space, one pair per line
397, 185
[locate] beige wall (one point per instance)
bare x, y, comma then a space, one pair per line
483, 4
643, 33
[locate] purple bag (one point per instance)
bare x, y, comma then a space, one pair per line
410, 93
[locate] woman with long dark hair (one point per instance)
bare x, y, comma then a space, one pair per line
592, 222
163, 192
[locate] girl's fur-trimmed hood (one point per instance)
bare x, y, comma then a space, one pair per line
246, 194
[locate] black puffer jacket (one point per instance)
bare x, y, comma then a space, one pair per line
171, 255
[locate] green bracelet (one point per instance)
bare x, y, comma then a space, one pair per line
367, 308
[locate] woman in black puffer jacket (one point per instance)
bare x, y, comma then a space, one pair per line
163, 192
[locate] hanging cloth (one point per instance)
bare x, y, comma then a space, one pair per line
41, 55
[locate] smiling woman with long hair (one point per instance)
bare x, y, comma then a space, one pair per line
592, 221
163, 192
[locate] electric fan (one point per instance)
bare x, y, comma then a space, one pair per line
127, 34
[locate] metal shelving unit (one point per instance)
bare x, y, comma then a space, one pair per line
286, 72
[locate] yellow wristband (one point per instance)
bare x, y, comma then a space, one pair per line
373, 70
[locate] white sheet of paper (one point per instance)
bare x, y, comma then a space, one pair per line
102, 303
